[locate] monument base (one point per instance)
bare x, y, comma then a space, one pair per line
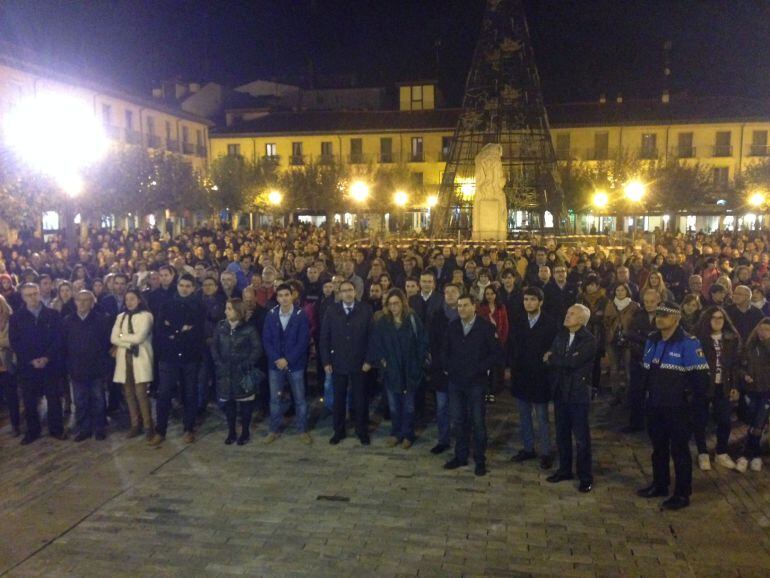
490, 220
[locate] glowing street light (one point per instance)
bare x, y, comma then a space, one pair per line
275, 198
432, 201
757, 199
359, 191
635, 190
600, 199
400, 198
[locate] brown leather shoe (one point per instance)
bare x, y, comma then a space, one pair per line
189, 437
406, 444
135, 431
305, 438
270, 438
156, 440
391, 441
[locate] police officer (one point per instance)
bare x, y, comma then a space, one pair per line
676, 371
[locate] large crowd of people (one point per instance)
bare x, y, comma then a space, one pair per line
673, 333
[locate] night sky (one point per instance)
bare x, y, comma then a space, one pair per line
583, 48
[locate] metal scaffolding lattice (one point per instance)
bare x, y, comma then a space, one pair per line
503, 104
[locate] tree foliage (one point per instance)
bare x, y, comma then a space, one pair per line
24, 194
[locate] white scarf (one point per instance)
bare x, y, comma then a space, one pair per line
622, 303
759, 304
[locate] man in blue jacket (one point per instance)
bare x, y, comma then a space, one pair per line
35, 334
345, 331
470, 351
286, 340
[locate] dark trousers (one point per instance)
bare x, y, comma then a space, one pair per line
722, 408
669, 429
89, 406
360, 407
636, 397
170, 375
467, 410
230, 409
11, 396
572, 421
35, 383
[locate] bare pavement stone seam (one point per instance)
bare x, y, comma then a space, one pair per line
119, 508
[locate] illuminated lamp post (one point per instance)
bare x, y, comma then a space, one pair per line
57, 134
400, 199
635, 191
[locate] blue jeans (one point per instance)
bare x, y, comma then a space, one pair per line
279, 402
401, 414
89, 406
528, 428
468, 410
169, 375
757, 412
442, 417
572, 421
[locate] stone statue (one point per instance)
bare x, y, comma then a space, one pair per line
490, 207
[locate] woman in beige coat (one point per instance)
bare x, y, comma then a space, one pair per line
617, 317
132, 338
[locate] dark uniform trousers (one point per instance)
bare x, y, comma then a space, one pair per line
669, 430
353, 382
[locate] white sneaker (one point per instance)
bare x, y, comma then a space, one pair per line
725, 461
704, 463
741, 465
756, 465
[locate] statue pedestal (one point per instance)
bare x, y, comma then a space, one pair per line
490, 220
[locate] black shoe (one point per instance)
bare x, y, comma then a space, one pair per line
676, 503
652, 491
558, 477
82, 436
335, 439
585, 487
454, 463
230, 439
480, 469
244, 438
439, 448
16, 432
29, 438
365, 441
631, 429
523, 456
546, 462
100, 436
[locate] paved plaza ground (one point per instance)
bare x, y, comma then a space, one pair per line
120, 508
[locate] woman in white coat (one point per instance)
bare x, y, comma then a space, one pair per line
132, 338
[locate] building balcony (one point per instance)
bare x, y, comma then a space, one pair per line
722, 151
113, 132
172, 146
387, 158
683, 152
153, 141
188, 148
600, 154
327, 159
649, 154
298, 160
358, 158
275, 159
564, 154
201, 151
417, 158
133, 137
443, 156
759, 150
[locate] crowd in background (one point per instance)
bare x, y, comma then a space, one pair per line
261, 320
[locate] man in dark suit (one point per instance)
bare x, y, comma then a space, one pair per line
344, 339
36, 338
558, 294
571, 359
470, 351
428, 300
531, 337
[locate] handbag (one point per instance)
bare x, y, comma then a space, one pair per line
251, 381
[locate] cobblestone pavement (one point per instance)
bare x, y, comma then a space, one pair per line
120, 508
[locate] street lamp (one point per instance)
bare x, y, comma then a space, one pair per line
757, 199
359, 191
635, 190
400, 198
600, 200
432, 201
57, 134
275, 198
